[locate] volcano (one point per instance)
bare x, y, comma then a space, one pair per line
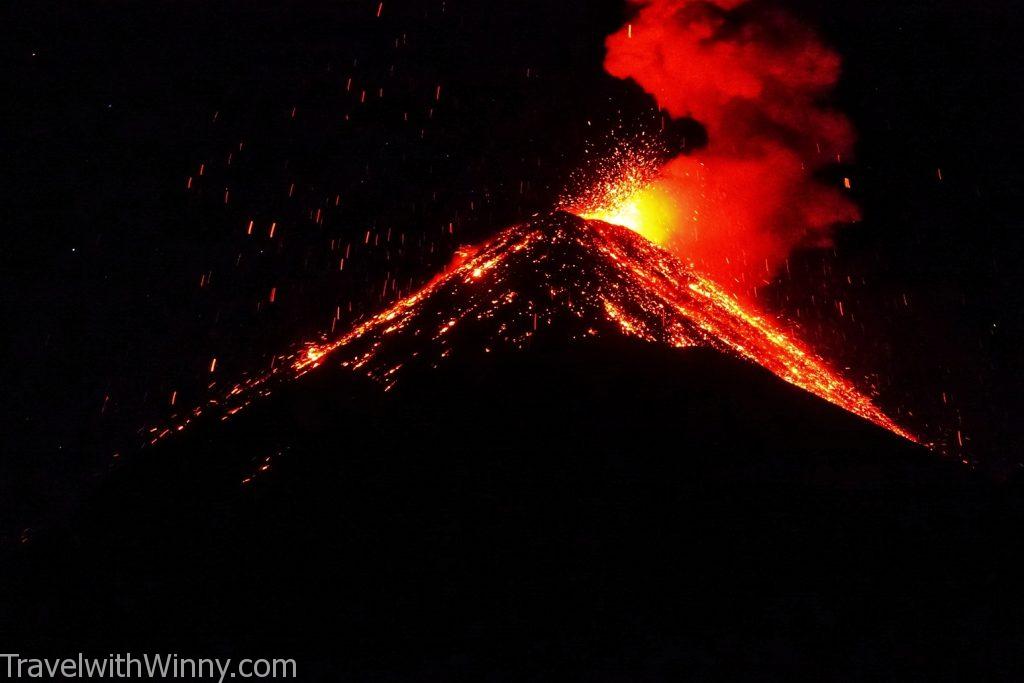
567, 457
581, 278
564, 276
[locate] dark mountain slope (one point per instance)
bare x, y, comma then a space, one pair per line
603, 509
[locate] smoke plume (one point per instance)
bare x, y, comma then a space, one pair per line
756, 78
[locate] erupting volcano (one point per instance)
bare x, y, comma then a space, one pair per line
563, 275
657, 242
668, 243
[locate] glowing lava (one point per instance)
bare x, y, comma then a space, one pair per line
635, 187
631, 193
565, 276
650, 211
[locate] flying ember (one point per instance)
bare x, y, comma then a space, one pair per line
628, 193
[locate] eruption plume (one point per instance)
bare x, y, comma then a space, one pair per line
755, 78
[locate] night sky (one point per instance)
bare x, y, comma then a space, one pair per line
143, 137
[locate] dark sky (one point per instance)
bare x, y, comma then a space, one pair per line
121, 283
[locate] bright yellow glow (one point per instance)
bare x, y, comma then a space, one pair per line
648, 210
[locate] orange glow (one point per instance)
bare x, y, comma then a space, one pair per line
755, 78
594, 278
638, 287
710, 214
630, 191
651, 211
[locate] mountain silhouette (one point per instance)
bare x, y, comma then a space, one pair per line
562, 276
537, 469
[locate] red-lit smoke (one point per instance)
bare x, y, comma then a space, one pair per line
755, 77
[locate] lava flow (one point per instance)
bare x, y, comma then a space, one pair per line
561, 275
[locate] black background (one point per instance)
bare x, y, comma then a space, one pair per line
116, 104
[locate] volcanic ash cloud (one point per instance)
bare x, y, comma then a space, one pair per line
756, 78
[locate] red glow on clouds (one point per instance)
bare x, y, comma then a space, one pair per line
755, 78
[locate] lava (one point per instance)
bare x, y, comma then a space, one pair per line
575, 278
628, 192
